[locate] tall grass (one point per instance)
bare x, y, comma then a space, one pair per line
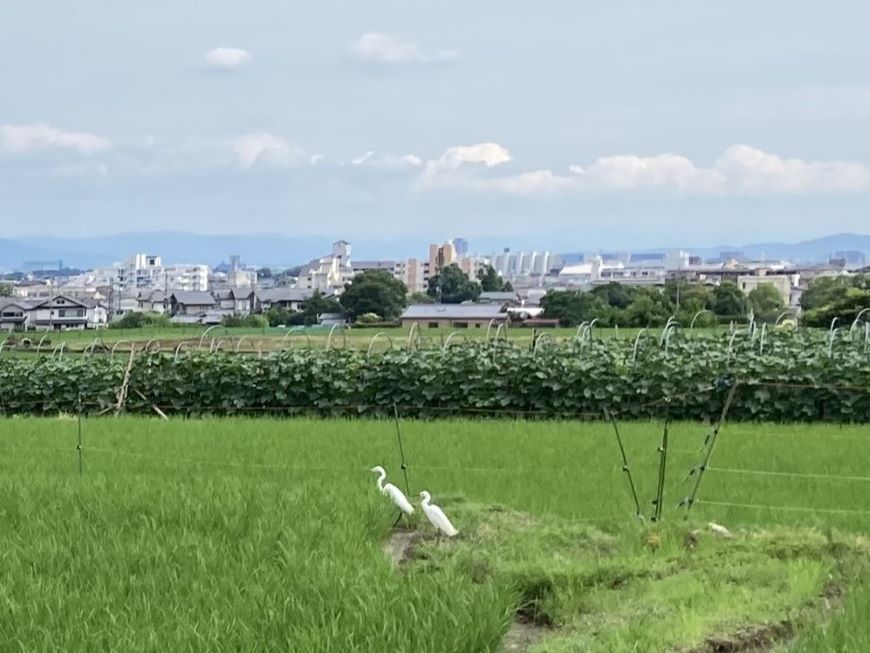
240, 534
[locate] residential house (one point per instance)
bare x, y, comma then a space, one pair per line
237, 301
14, 314
456, 316
781, 282
61, 313
152, 301
283, 298
331, 319
190, 303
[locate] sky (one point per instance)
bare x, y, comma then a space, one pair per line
565, 123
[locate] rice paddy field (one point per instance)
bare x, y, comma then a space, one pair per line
269, 534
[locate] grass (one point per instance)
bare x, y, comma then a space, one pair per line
270, 339
231, 534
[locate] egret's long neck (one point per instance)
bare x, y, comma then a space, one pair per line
381, 478
425, 501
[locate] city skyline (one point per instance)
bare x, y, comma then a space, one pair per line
586, 121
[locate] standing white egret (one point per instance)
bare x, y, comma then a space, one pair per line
396, 495
436, 516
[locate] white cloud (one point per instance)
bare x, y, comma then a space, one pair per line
225, 58
40, 136
263, 148
383, 48
315, 159
741, 170
387, 161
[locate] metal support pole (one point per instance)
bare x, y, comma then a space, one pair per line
663, 462
609, 417
79, 424
401, 449
689, 501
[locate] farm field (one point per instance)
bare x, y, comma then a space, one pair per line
235, 533
252, 340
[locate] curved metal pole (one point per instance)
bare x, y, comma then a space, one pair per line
115, 347
763, 335
488, 329
581, 330
375, 337
415, 331
589, 329
148, 344
343, 328
239, 343
59, 350
636, 345
450, 337
209, 330
731, 343
2, 344
39, 344
502, 329
668, 324
671, 330
91, 347
785, 313
697, 315
539, 339
217, 345
181, 345
857, 319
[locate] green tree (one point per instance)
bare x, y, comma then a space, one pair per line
615, 294
264, 273
421, 298
826, 291
765, 301
571, 307
5, 290
650, 307
452, 286
374, 291
728, 300
491, 281
255, 321
141, 320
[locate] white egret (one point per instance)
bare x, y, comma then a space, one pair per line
396, 495
436, 516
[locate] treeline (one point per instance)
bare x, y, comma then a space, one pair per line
840, 297
616, 304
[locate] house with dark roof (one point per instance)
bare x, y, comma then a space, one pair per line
455, 316
284, 298
14, 314
239, 301
190, 303
61, 312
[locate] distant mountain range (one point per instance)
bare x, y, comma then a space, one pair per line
285, 251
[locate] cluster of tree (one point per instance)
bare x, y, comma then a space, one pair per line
841, 297
491, 281
255, 321
5, 290
452, 286
630, 306
374, 293
137, 320
314, 306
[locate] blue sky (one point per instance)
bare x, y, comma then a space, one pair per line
591, 123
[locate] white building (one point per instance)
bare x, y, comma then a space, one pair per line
330, 273
62, 313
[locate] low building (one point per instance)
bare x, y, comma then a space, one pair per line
456, 316
288, 299
499, 297
190, 303
62, 313
14, 314
240, 301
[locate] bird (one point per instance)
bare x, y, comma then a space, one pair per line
436, 516
390, 490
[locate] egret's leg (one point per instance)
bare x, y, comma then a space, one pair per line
398, 519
